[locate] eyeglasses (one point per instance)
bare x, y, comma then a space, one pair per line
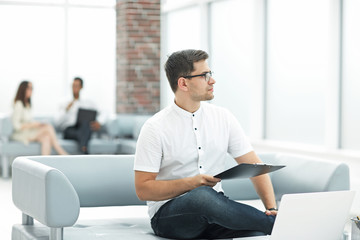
206, 75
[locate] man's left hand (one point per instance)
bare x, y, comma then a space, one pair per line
271, 212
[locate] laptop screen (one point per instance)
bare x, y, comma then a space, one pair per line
312, 216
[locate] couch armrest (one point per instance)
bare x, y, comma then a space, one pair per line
44, 193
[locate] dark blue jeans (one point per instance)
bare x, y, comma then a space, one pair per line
206, 213
81, 134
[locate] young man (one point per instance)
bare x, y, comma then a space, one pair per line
68, 116
180, 149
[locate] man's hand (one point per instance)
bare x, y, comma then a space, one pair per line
95, 126
272, 212
70, 105
205, 180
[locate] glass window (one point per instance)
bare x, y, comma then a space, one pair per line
300, 69
38, 44
107, 3
182, 31
351, 76
236, 55
31, 46
176, 3
91, 54
36, 1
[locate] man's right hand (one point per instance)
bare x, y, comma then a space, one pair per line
69, 105
205, 180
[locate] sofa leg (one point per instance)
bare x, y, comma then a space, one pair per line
27, 220
5, 166
56, 233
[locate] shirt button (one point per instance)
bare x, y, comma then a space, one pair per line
200, 167
193, 115
199, 147
195, 128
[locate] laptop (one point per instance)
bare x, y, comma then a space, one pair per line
85, 116
311, 216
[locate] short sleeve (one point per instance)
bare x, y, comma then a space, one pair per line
148, 153
239, 144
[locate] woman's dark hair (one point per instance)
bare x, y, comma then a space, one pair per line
21, 93
181, 64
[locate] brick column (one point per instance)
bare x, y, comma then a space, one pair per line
138, 56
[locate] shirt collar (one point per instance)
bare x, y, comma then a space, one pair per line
185, 113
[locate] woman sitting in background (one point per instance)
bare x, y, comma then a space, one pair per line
26, 129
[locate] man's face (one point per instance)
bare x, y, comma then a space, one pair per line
76, 87
199, 88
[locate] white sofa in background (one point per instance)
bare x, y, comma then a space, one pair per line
53, 189
118, 136
125, 130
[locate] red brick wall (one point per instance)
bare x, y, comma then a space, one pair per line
138, 56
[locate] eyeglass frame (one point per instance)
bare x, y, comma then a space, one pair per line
207, 76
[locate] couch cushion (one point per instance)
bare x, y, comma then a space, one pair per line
309, 174
96, 146
105, 229
15, 148
104, 223
70, 146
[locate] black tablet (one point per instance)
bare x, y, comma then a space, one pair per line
246, 170
85, 116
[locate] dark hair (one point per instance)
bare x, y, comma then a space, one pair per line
79, 79
181, 64
21, 93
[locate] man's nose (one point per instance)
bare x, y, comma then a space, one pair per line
212, 80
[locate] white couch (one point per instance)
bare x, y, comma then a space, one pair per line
53, 189
118, 136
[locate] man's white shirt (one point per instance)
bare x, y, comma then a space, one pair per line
68, 118
176, 144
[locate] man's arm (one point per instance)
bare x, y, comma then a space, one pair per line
150, 189
262, 183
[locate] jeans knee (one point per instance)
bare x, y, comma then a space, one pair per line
204, 196
203, 191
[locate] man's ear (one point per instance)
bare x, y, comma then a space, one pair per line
182, 84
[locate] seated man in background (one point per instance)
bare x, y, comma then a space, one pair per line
179, 151
67, 119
